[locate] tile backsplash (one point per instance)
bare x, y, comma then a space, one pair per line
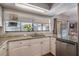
25, 34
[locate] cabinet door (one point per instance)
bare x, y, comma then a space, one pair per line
45, 46
14, 44
63, 47
3, 50
21, 51
19, 48
35, 49
58, 48
0, 16
71, 50
53, 46
78, 50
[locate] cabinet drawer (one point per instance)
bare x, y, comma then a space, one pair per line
25, 42
46, 39
21, 51
14, 44
34, 41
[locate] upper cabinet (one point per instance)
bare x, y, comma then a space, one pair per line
0, 16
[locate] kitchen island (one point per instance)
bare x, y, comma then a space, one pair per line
26, 46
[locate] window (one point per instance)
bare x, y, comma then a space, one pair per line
39, 27
26, 26
12, 26
35, 27
45, 27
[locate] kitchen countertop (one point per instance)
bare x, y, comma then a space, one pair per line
70, 39
67, 41
8, 39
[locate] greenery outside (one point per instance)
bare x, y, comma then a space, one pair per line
28, 27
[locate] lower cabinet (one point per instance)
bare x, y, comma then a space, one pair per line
71, 50
58, 49
20, 51
45, 46
65, 49
34, 47
53, 46
61, 48
19, 48
78, 49
3, 50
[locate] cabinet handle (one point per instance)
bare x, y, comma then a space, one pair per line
20, 42
29, 45
55, 42
41, 42
3, 48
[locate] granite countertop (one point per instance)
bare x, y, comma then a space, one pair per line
8, 39
67, 41
70, 39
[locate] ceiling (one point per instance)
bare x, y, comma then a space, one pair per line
43, 5
53, 8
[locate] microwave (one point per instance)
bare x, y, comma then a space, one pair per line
12, 26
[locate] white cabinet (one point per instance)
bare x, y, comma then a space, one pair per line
32, 47
45, 46
25, 48
40, 46
53, 46
3, 50
35, 49
19, 48
14, 44
0, 16
21, 51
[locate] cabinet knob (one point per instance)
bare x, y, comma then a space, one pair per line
41, 42
3, 48
29, 45
55, 42
20, 42
52, 39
